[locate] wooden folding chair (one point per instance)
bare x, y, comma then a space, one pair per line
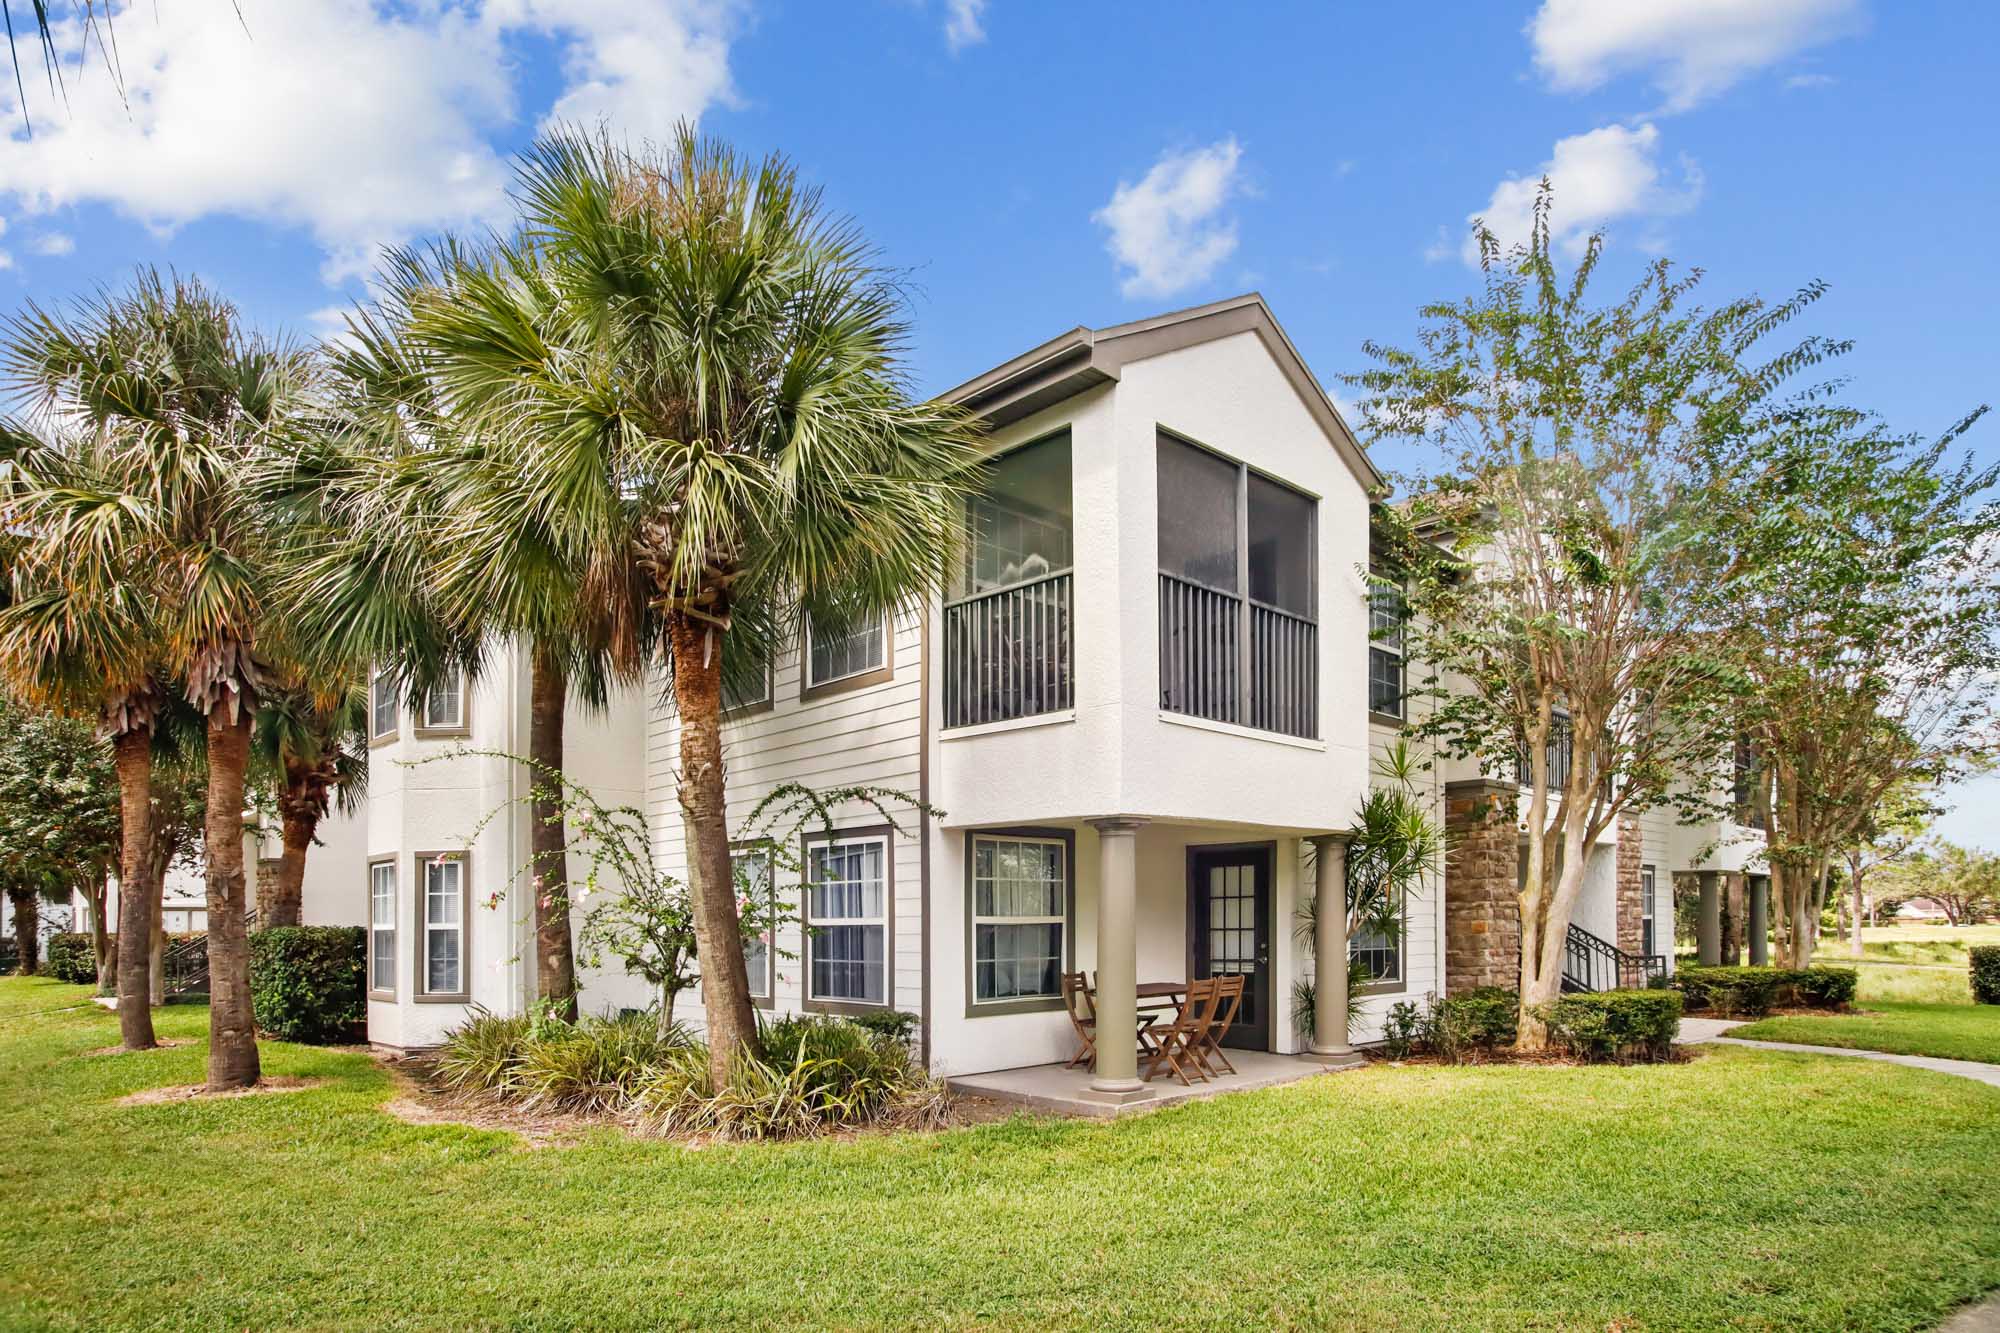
1179, 1043
1082, 1016
1228, 999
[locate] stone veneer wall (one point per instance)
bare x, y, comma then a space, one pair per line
1631, 889
1482, 923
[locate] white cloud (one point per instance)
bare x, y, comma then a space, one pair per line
964, 23
360, 125
1600, 177
1170, 230
1693, 49
52, 243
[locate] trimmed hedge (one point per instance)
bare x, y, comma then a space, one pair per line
72, 958
1621, 1025
1751, 992
1986, 973
308, 983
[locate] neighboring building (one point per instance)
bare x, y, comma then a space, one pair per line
1149, 694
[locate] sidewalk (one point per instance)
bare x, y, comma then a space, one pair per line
1700, 1031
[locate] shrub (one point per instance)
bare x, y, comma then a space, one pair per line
1462, 1028
893, 1023
1734, 992
1615, 1025
73, 958
1826, 987
1985, 973
1402, 1029
482, 1054
595, 1065
307, 982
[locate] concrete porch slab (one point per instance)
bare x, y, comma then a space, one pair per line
1063, 1091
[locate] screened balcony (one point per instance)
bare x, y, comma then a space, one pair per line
1239, 642
1007, 628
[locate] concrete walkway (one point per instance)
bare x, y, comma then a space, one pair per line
1700, 1031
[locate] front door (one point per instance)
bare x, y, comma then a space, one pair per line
1229, 924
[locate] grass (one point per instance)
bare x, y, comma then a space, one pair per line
1951, 1031
1716, 1193
1924, 965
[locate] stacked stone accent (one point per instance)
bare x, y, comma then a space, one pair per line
1482, 922
1631, 889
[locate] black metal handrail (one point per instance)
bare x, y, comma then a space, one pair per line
1592, 963
1007, 653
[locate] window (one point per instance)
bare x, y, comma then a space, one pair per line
847, 920
383, 703
1018, 527
748, 688
442, 966
754, 887
1020, 917
382, 928
1381, 951
1385, 650
444, 705
1239, 638
860, 651
1647, 905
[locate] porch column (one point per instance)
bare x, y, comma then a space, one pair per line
1758, 889
1708, 921
1117, 1003
1329, 1041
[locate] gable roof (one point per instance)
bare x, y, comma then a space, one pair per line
1084, 357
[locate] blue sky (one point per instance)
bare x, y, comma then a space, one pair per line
1037, 166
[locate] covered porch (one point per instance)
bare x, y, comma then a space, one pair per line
1152, 905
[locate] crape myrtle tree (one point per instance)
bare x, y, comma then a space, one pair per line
1890, 834
59, 830
1559, 577
1865, 626
180, 403
722, 356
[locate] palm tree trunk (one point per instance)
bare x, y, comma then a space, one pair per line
725, 979
133, 750
27, 930
284, 905
548, 840
232, 1027
100, 937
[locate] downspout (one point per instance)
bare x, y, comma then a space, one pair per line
924, 830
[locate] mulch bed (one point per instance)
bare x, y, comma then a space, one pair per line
165, 1044
199, 1092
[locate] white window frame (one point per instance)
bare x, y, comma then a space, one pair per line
426, 928
429, 720
380, 924
884, 921
813, 682
761, 853
1060, 919
1390, 648
1649, 907
376, 731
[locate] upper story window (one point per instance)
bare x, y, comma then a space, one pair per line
1239, 633
854, 656
384, 702
444, 704
1560, 754
746, 689
1385, 650
1007, 623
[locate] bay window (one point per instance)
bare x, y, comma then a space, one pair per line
382, 929
442, 911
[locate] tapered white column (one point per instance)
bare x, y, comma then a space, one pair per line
1117, 1075
1329, 1041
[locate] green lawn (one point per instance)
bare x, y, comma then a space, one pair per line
1953, 1031
1731, 1191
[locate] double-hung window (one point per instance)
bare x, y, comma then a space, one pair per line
384, 701
862, 650
847, 921
1385, 650
754, 889
747, 687
1648, 904
444, 705
441, 921
1020, 917
382, 928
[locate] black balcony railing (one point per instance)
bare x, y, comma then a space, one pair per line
1007, 653
1230, 661
1560, 752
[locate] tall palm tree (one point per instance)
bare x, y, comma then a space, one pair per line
724, 353
185, 401
79, 634
311, 744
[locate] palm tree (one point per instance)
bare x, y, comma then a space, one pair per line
724, 354
185, 402
311, 749
79, 635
